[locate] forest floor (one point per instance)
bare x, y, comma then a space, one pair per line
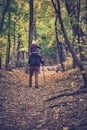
58, 104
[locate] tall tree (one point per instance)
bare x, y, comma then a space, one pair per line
86, 14
73, 9
0, 62
59, 46
9, 42
58, 13
18, 52
30, 24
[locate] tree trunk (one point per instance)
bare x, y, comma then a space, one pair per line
3, 14
86, 14
83, 72
14, 53
8, 45
18, 53
0, 62
30, 28
30, 25
34, 30
58, 48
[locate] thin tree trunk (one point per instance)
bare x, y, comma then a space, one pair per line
3, 14
58, 48
14, 53
30, 29
34, 31
8, 45
82, 57
30, 25
86, 15
18, 53
0, 62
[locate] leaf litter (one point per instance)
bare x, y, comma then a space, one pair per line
55, 106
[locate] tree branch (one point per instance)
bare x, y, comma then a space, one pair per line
54, 5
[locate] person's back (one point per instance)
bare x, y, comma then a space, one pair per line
35, 60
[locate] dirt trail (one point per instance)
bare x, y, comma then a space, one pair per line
59, 105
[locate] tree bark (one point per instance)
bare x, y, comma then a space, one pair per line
0, 62
9, 44
34, 29
86, 14
58, 48
30, 25
18, 53
14, 53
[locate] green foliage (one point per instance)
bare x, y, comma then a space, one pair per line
44, 17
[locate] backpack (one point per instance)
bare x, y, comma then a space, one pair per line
34, 60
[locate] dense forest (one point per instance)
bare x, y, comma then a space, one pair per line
59, 27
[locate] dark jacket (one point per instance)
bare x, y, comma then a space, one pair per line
35, 60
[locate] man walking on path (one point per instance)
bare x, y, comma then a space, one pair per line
34, 62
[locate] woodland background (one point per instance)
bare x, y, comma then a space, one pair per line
60, 29
49, 23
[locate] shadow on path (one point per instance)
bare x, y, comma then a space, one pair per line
67, 94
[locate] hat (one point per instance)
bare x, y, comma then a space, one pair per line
33, 42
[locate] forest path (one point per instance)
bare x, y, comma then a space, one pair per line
58, 105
